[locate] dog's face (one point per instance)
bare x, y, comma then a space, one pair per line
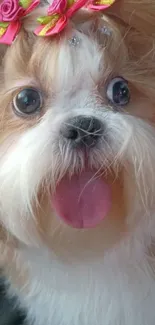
77, 136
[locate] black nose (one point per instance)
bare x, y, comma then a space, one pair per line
83, 130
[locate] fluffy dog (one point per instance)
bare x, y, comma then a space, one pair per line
77, 168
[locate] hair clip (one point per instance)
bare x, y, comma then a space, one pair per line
11, 13
74, 41
105, 30
57, 16
61, 11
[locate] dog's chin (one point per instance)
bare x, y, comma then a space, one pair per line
85, 215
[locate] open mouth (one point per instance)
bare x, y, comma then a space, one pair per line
83, 200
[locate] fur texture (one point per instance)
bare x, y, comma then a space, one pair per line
64, 276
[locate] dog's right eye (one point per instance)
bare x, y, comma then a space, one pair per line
27, 102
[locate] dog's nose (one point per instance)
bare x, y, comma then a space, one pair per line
83, 130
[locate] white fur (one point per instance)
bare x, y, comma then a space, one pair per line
117, 288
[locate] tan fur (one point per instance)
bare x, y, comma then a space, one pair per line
130, 53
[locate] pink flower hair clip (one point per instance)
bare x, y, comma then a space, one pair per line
11, 13
58, 15
60, 11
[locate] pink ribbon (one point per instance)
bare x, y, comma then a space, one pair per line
57, 16
61, 11
11, 14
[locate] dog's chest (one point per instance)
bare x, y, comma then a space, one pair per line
91, 294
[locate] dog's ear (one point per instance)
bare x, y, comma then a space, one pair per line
139, 14
20, 50
3, 49
15, 57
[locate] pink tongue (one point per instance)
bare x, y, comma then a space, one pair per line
82, 201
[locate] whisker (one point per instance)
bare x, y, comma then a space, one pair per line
85, 131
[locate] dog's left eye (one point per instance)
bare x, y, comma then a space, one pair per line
118, 91
27, 102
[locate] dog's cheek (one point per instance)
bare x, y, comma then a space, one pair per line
19, 178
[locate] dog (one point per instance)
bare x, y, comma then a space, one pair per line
77, 167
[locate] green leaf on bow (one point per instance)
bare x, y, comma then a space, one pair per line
25, 3
3, 24
43, 20
51, 24
2, 31
70, 3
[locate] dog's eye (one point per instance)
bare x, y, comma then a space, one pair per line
27, 102
118, 91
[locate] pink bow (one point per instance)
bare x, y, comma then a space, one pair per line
11, 13
61, 11
57, 16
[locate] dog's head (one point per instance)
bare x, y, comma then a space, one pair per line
77, 128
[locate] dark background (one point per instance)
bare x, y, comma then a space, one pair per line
10, 313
